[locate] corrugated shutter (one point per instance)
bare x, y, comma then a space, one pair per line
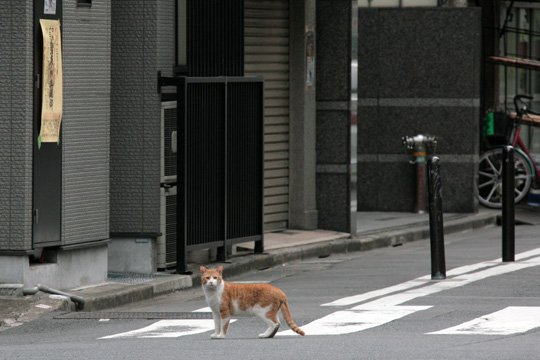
85, 122
266, 40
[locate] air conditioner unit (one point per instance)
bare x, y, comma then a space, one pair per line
166, 243
168, 141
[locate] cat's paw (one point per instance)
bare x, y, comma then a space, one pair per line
274, 331
270, 332
217, 336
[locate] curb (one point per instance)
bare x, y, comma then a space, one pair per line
133, 293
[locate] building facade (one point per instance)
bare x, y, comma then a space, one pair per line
335, 107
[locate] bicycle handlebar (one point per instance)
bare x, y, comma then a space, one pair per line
532, 112
524, 106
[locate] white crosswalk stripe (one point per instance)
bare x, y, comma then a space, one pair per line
350, 321
170, 328
509, 321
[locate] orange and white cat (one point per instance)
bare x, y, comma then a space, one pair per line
226, 299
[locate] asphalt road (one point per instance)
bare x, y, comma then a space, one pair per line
395, 323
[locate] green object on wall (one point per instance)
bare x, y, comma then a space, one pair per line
489, 121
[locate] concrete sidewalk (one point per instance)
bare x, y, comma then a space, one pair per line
376, 229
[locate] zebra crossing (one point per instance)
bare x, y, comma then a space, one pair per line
382, 306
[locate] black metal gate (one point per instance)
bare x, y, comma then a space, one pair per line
220, 163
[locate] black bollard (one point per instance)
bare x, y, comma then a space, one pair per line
436, 229
508, 218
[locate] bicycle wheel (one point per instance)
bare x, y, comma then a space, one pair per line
490, 178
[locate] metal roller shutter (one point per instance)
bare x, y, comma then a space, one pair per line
266, 40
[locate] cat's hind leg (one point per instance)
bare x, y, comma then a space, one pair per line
271, 331
271, 319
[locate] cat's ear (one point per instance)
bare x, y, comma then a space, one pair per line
220, 269
202, 269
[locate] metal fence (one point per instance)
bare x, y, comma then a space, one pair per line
220, 163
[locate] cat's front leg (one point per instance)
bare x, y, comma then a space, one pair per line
224, 316
224, 328
217, 325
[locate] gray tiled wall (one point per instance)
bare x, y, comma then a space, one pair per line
419, 72
135, 117
16, 125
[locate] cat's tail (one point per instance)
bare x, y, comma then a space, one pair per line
288, 318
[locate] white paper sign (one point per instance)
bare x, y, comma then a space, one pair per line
50, 7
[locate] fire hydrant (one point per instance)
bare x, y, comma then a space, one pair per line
419, 148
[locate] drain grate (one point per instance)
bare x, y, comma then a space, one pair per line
134, 315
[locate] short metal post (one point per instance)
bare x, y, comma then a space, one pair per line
420, 205
436, 228
259, 245
419, 147
221, 255
508, 218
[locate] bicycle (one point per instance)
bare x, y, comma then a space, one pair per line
527, 173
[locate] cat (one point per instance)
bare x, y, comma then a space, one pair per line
226, 299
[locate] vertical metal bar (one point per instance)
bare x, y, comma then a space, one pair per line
436, 229
225, 167
181, 238
508, 220
353, 109
420, 206
259, 244
529, 55
222, 252
240, 49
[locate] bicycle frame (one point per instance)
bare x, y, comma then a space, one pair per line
517, 140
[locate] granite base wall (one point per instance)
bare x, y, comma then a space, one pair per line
418, 73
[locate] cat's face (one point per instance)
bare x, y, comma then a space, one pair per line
211, 278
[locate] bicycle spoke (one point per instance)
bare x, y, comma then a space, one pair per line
486, 184
492, 192
490, 175
492, 166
